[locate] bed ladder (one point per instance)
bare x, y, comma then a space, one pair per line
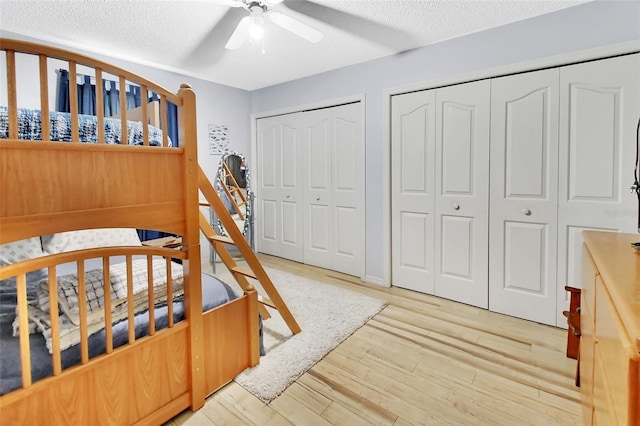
233, 191
236, 238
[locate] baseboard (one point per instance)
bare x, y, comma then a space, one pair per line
374, 280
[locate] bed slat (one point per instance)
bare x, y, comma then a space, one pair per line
73, 102
131, 312
44, 99
55, 321
12, 98
23, 323
144, 96
163, 116
169, 293
150, 301
99, 105
123, 110
82, 305
108, 326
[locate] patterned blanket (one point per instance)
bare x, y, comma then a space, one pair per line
30, 128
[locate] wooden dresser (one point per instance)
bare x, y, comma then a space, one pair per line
610, 326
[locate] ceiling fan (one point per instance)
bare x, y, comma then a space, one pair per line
252, 25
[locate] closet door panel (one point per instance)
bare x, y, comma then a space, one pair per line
347, 155
269, 225
524, 179
462, 191
290, 194
412, 190
599, 110
316, 148
279, 216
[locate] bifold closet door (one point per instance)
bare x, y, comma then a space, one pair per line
523, 195
280, 211
462, 193
333, 167
412, 190
599, 112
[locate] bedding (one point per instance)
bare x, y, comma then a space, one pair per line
69, 309
214, 293
30, 128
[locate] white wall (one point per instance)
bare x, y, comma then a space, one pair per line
578, 28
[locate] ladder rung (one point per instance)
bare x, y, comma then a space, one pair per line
242, 271
267, 302
221, 239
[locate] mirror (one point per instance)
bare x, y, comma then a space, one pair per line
232, 185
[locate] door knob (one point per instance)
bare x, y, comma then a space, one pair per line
456, 206
527, 212
288, 195
317, 198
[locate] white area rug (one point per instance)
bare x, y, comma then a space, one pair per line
326, 314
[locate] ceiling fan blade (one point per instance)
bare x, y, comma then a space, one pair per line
239, 34
230, 3
296, 27
368, 29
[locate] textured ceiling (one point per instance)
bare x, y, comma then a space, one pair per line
188, 37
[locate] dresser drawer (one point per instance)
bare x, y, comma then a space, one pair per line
614, 354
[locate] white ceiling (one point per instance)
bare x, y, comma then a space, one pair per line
188, 36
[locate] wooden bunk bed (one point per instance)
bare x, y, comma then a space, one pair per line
49, 188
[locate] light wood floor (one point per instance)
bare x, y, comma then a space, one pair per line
422, 360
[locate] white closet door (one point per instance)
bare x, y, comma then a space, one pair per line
599, 111
318, 207
524, 187
280, 215
333, 168
412, 188
347, 188
462, 193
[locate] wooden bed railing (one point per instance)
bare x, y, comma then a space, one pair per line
20, 271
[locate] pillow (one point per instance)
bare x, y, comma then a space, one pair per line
90, 238
18, 251
107, 237
67, 241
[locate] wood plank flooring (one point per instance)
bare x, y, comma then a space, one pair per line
422, 361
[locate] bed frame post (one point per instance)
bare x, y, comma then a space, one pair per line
191, 243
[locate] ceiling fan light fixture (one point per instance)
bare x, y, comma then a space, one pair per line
256, 29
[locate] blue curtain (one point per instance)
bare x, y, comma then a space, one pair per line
86, 97
63, 92
112, 100
111, 97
